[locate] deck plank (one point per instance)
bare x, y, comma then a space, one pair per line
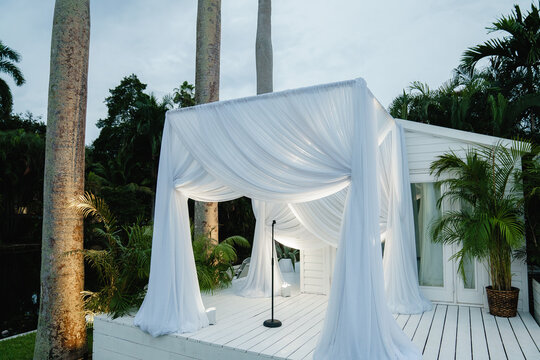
412, 325
298, 348
523, 336
478, 338
255, 333
463, 336
510, 343
295, 327
446, 332
493, 338
448, 343
422, 331
238, 321
402, 320
433, 343
532, 327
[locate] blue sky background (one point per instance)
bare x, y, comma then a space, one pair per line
389, 43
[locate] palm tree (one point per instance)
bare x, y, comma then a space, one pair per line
61, 332
488, 224
263, 48
516, 53
207, 84
521, 49
8, 57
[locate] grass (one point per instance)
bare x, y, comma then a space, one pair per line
22, 347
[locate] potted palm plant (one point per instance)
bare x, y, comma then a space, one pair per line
488, 222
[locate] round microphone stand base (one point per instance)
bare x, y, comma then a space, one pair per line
272, 323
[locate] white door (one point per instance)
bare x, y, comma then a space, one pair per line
470, 291
435, 277
437, 272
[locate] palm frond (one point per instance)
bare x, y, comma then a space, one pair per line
90, 205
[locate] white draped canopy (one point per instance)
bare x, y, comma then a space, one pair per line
328, 163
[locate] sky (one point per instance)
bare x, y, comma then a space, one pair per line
388, 43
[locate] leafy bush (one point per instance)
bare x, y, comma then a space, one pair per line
123, 262
284, 252
214, 261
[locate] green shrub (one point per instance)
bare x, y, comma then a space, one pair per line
214, 261
122, 264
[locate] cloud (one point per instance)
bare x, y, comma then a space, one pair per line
389, 43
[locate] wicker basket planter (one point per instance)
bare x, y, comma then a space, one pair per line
502, 303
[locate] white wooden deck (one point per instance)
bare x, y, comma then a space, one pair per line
446, 332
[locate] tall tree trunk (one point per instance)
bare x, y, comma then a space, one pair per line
263, 48
207, 90
61, 328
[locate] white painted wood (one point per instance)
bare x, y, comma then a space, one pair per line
532, 327
316, 270
412, 325
433, 343
448, 342
239, 334
402, 320
510, 343
519, 280
257, 334
526, 343
463, 336
297, 326
243, 324
478, 338
493, 338
300, 348
422, 331
424, 143
465, 136
100, 353
295, 339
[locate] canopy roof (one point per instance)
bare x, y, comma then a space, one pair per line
294, 147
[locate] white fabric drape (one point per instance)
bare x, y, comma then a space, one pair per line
258, 282
396, 221
287, 147
358, 324
400, 266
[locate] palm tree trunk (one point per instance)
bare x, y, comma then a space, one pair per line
61, 328
263, 48
207, 90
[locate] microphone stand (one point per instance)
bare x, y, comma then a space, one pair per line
272, 323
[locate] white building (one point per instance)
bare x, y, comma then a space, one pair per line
438, 275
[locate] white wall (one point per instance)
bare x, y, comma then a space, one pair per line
316, 268
424, 147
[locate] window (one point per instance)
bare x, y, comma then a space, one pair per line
429, 254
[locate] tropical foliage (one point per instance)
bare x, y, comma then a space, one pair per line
214, 262
284, 252
22, 150
122, 262
495, 90
8, 59
121, 259
122, 162
488, 224
501, 98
